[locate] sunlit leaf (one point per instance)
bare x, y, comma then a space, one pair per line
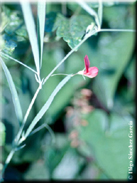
72, 29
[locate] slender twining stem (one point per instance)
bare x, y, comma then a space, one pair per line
85, 38
27, 113
7, 161
31, 104
59, 74
117, 30
7, 56
74, 49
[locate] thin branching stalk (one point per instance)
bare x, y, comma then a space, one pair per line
117, 30
7, 162
74, 49
31, 104
27, 113
7, 56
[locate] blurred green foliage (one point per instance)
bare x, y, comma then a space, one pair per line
72, 29
2, 134
91, 128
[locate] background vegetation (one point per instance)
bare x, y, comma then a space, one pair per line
89, 118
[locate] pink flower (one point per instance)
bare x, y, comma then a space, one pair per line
90, 72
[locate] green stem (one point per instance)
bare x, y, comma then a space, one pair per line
31, 104
74, 49
20, 130
7, 56
27, 113
117, 30
7, 161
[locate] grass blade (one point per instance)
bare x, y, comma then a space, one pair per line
30, 25
100, 12
14, 94
40, 27
47, 105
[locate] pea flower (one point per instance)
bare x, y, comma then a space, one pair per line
90, 72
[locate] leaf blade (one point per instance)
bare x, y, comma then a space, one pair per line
100, 12
72, 29
47, 104
14, 94
40, 24
28, 17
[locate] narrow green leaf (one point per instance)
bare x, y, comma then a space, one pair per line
40, 27
100, 12
14, 94
27, 13
47, 105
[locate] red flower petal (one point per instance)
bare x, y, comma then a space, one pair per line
87, 63
92, 72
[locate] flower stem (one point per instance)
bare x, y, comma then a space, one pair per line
117, 30
27, 113
75, 48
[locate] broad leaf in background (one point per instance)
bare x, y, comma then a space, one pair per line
12, 28
108, 140
62, 157
70, 164
130, 75
124, 102
71, 30
112, 14
115, 56
37, 171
